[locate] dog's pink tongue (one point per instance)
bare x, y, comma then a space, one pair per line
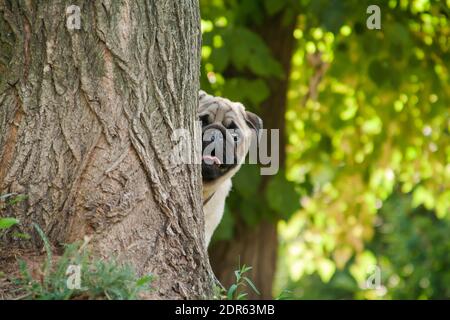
211, 160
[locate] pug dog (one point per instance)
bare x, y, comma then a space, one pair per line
228, 131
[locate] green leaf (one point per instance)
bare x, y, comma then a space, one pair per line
144, 280
326, 269
231, 291
47, 246
246, 91
23, 236
245, 268
247, 180
17, 199
264, 65
6, 223
252, 285
257, 91
237, 274
220, 58
285, 295
242, 296
379, 72
424, 196
274, 6
240, 55
258, 66
399, 34
281, 196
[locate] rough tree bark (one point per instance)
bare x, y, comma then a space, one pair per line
257, 246
86, 118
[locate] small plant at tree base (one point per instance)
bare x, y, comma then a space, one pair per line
11, 199
9, 222
98, 279
7, 200
236, 290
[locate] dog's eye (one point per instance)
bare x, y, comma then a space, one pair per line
232, 125
204, 119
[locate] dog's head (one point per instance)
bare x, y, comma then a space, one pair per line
228, 131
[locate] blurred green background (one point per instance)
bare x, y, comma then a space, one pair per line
364, 185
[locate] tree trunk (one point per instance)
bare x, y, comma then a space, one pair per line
86, 118
257, 246
253, 246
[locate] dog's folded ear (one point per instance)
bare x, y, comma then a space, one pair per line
254, 122
202, 94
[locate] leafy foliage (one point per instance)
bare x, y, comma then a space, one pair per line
237, 290
367, 122
100, 279
229, 44
380, 122
237, 63
410, 247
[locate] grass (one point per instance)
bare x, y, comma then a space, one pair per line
76, 275
7, 200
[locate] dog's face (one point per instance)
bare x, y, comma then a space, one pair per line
227, 131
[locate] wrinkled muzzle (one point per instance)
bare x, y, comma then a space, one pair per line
218, 152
